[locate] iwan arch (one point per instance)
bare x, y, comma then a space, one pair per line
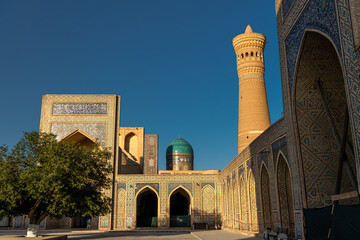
280, 168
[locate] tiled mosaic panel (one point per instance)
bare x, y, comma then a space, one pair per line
238, 168
208, 200
231, 206
316, 15
121, 204
285, 195
253, 207
172, 186
165, 183
263, 157
95, 130
243, 204
236, 206
104, 222
79, 108
150, 154
47, 118
120, 186
350, 62
286, 4
224, 205
279, 145
284, 28
266, 198
318, 146
154, 186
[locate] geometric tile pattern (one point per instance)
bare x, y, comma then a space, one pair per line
243, 202
208, 200
79, 108
231, 209
253, 206
323, 18
139, 186
96, 130
241, 199
236, 206
286, 4
203, 200
120, 213
333, 19
48, 118
285, 194
266, 198
319, 149
172, 186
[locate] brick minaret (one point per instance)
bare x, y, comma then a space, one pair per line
253, 107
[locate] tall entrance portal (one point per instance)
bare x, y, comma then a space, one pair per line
180, 210
324, 134
146, 209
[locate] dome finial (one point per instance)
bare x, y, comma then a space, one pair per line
248, 29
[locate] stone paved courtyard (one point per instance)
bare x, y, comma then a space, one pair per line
143, 234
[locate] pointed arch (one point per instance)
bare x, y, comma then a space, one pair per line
243, 204
266, 197
132, 145
224, 201
253, 206
231, 209
231, 204
284, 187
81, 138
180, 207
147, 206
236, 204
208, 200
320, 108
208, 204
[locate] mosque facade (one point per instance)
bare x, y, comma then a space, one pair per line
302, 160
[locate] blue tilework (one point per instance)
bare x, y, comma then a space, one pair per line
319, 15
286, 5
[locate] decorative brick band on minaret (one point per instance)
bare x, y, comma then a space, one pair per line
253, 107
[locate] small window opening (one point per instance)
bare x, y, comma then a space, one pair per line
247, 54
252, 54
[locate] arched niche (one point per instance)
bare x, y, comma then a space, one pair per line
285, 194
266, 198
180, 208
253, 206
243, 205
146, 208
208, 200
236, 204
80, 138
320, 111
132, 145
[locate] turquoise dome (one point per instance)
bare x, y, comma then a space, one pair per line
179, 145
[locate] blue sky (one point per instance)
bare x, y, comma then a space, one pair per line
172, 63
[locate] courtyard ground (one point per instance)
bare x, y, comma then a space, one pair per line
141, 234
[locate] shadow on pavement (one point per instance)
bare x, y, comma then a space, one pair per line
127, 234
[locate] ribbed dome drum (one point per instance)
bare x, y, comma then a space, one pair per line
179, 155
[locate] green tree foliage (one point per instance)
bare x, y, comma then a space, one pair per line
41, 176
